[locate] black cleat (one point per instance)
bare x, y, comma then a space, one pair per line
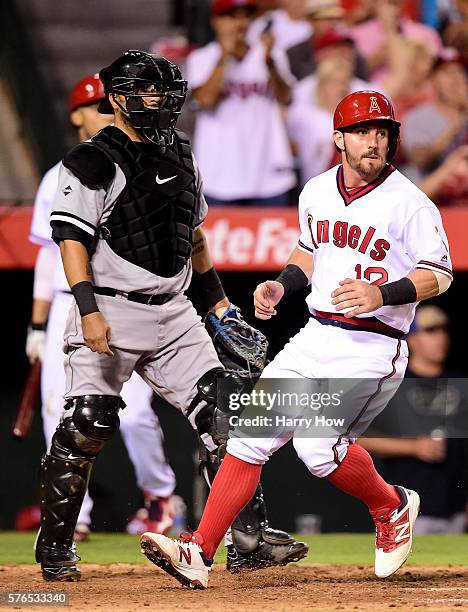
265, 555
58, 565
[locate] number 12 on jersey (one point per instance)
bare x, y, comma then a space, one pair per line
368, 272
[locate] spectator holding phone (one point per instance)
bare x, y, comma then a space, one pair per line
287, 23
240, 141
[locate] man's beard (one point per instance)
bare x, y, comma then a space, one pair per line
366, 172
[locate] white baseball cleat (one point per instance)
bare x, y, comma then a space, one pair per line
184, 560
394, 534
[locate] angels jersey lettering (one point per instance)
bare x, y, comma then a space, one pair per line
379, 233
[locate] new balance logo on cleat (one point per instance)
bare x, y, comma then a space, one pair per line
186, 554
394, 534
181, 559
403, 529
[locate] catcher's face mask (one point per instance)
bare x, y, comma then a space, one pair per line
154, 93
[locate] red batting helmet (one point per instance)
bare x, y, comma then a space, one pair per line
366, 106
224, 7
87, 91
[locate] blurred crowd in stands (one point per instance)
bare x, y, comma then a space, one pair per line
264, 89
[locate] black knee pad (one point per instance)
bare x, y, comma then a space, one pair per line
96, 417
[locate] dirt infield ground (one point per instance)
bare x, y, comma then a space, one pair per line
310, 587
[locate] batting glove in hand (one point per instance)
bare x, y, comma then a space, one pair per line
35, 344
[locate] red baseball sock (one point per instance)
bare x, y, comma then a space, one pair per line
233, 487
357, 476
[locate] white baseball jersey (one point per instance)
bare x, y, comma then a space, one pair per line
241, 144
379, 234
41, 232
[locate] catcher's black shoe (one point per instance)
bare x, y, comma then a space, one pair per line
58, 565
265, 555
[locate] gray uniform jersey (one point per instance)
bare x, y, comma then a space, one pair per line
88, 209
166, 344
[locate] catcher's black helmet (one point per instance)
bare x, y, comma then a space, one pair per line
136, 75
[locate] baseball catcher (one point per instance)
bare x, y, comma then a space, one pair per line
127, 216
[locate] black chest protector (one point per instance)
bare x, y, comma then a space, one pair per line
153, 219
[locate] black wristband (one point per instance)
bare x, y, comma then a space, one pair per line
84, 296
210, 287
39, 326
399, 292
293, 279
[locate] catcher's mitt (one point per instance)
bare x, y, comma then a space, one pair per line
240, 347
